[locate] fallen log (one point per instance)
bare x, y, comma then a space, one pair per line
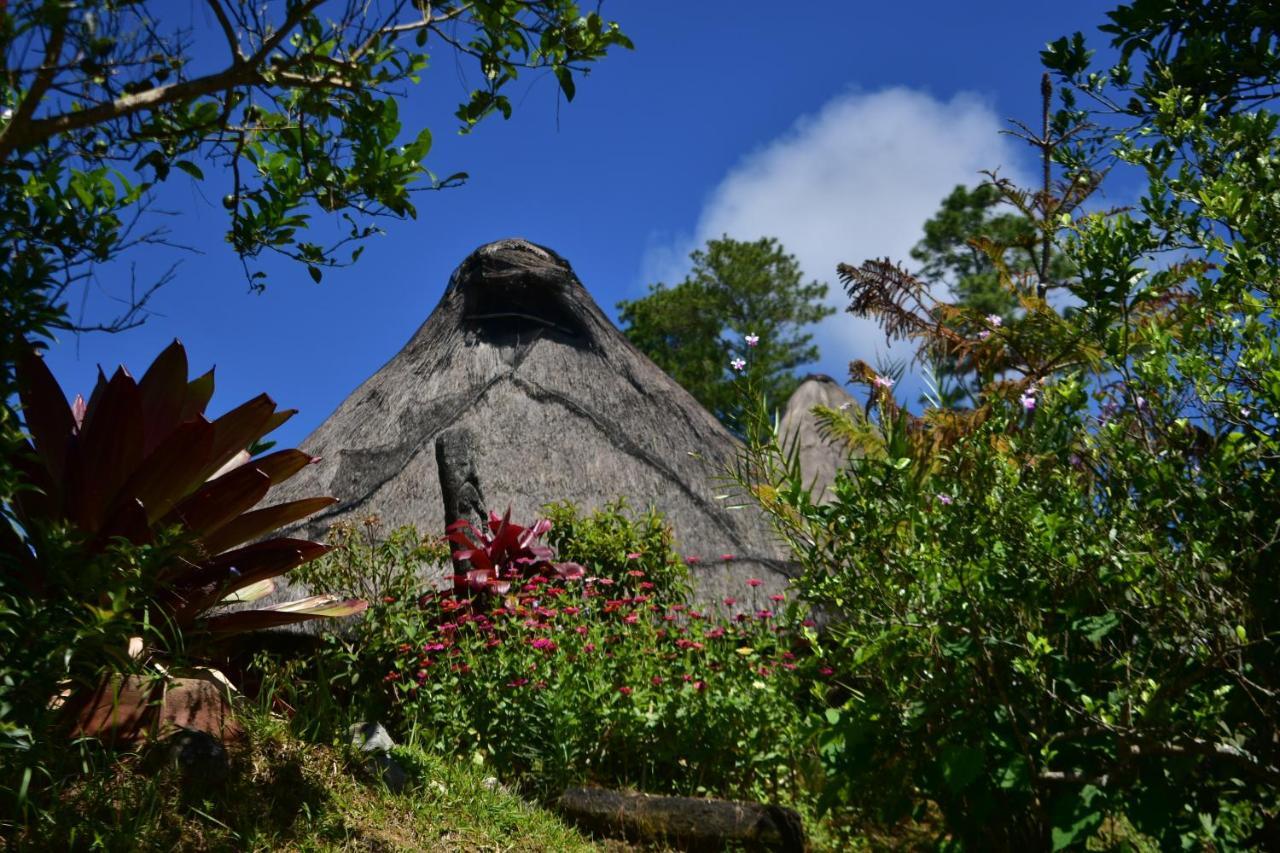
685, 823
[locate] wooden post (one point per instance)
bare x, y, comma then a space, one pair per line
460, 489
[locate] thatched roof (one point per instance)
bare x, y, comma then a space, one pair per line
559, 404
820, 458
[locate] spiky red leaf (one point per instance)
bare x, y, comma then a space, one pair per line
318, 607
239, 428
164, 392
219, 501
173, 470
261, 522
45, 412
110, 449
199, 392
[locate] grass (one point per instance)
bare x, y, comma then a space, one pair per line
286, 794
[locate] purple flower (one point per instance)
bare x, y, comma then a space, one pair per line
995, 320
945, 500
1028, 400
882, 382
738, 364
752, 340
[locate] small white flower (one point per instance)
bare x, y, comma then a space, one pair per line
882, 382
738, 364
752, 340
995, 320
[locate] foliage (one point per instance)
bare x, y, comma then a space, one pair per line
141, 457
132, 512
735, 289
968, 244
613, 543
508, 554
295, 103
1056, 610
614, 678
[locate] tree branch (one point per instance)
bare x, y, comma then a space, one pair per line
228, 30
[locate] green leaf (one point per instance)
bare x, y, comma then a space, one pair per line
190, 168
1076, 814
315, 273
565, 76
960, 766
1095, 628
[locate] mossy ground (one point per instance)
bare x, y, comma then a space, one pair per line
285, 794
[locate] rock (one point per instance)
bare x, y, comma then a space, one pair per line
375, 744
198, 755
126, 711
371, 737
686, 823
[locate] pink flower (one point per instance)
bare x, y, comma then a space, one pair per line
582, 630
995, 320
826, 671
738, 364
656, 680
519, 682
730, 601
634, 555
752, 340
726, 557
543, 644
715, 633
625, 691
692, 561
589, 648
764, 614
945, 500
630, 618
754, 582
699, 686
882, 382
777, 597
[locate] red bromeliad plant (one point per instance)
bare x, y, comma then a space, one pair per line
506, 554
139, 462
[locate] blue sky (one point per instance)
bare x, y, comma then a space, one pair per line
834, 126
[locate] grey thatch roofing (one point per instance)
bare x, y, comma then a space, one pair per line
558, 403
820, 458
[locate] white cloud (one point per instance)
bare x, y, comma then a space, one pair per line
857, 180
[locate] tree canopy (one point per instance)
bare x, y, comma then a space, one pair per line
696, 329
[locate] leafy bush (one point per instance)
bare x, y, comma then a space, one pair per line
1058, 609
130, 512
141, 458
613, 677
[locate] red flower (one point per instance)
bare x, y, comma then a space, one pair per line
754, 582
656, 680
777, 596
589, 647
630, 618
582, 630
519, 682
730, 601
625, 691
636, 573
826, 671
726, 557
699, 686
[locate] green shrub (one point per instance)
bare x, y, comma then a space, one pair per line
613, 678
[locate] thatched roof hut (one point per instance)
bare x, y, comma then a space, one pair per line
820, 457
556, 402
